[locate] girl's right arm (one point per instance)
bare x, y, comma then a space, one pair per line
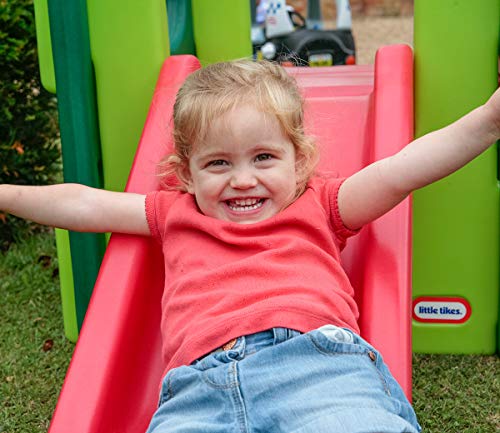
77, 207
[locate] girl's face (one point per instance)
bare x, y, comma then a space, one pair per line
245, 169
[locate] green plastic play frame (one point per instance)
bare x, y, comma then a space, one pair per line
456, 221
101, 69
79, 134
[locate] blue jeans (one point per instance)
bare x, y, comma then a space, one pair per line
328, 380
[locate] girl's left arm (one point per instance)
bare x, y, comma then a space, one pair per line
376, 189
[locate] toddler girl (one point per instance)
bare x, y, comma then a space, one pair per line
259, 319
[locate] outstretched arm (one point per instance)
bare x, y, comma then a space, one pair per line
76, 207
376, 189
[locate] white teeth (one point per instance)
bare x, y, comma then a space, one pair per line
245, 205
245, 202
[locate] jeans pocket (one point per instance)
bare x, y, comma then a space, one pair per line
363, 367
334, 341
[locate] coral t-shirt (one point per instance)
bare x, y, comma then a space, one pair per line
224, 279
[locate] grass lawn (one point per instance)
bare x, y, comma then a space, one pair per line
451, 393
34, 353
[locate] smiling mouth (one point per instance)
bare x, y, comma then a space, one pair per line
245, 205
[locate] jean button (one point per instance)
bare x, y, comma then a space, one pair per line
372, 355
229, 345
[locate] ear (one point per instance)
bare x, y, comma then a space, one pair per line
184, 175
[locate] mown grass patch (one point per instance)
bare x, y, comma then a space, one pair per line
34, 353
457, 393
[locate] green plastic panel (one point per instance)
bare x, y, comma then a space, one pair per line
456, 221
180, 27
44, 45
222, 30
79, 133
66, 281
129, 42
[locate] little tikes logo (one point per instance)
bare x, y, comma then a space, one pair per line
429, 309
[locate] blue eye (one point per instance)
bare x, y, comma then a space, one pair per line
263, 157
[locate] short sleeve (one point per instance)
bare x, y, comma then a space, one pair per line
158, 204
342, 232
327, 190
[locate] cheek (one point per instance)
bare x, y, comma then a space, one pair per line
208, 188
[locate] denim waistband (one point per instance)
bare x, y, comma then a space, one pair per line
271, 337
252, 343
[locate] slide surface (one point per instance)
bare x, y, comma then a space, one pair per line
358, 114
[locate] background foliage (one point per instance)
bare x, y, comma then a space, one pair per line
29, 138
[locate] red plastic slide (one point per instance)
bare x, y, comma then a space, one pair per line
358, 114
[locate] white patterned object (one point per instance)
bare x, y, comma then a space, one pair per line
278, 21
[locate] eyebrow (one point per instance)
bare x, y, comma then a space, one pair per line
212, 155
274, 147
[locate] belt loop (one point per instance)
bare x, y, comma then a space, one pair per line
292, 333
239, 347
275, 336
280, 335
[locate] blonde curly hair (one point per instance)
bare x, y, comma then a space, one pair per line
212, 91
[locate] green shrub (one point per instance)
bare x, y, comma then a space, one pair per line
29, 138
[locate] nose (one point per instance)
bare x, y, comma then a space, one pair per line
243, 178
